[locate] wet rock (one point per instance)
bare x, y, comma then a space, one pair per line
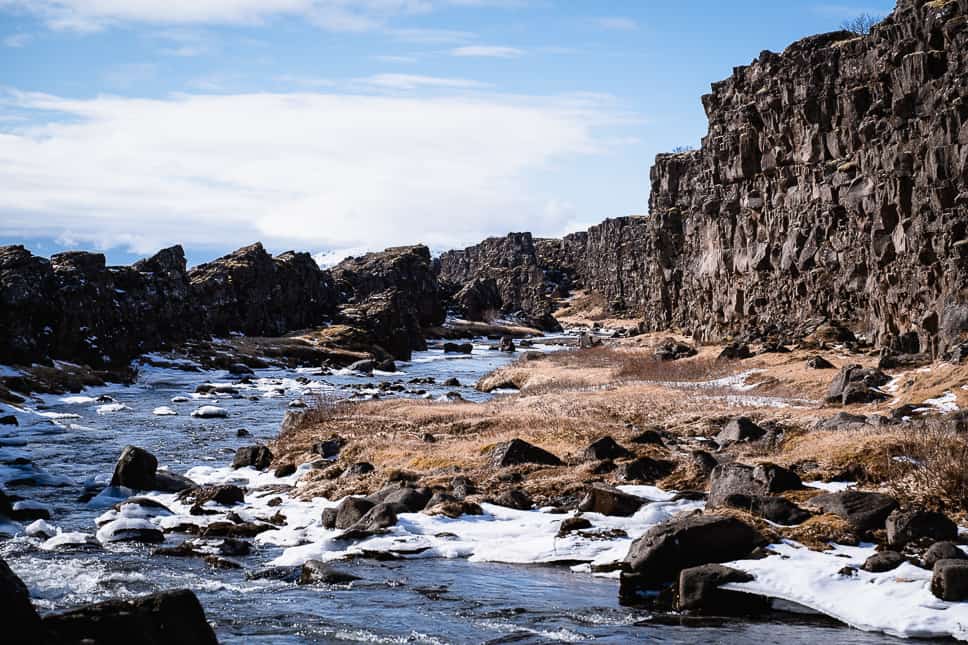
918, 526
9, 420
136, 468
282, 573
365, 366
753, 481
819, 363
242, 432
665, 550
382, 516
297, 404
258, 457
775, 509
648, 437
670, 349
21, 622
458, 348
942, 551
610, 501
224, 494
645, 470
863, 511
699, 591
883, 561
412, 499
506, 345
316, 572
169, 482
515, 498
130, 530
949, 580
166, 617
451, 382
516, 451
739, 429
605, 448
240, 369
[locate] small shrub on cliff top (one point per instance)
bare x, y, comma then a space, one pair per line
862, 24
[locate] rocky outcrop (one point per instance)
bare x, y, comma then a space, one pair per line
394, 294
251, 292
831, 186
508, 277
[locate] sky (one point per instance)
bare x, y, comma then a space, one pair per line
339, 126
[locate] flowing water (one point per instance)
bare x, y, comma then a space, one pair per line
73, 442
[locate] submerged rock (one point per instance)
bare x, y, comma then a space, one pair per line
316, 572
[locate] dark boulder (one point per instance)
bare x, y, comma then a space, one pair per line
753, 481
506, 344
735, 352
919, 526
382, 516
670, 349
883, 561
412, 499
136, 468
699, 591
605, 448
515, 498
458, 348
285, 470
775, 509
169, 482
350, 510
224, 494
942, 551
856, 384
166, 617
660, 554
739, 429
358, 469
9, 420
863, 511
610, 501
572, 524
949, 580
258, 457
644, 469
516, 451
21, 622
819, 363
316, 572
330, 447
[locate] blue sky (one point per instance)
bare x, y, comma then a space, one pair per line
336, 126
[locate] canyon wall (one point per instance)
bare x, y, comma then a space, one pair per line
832, 185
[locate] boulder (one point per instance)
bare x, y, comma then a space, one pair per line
644, 469
169, 482
224, 494
942, 551
699, 591
572, 524
739, 429
210, 412
610, 501
883, 561
863, 511
412, 499
660, 554
515, 498
258, 457
358, 469
350, 511
330, 447
819, 363
9, 420
949, 580
21, 622
670, 349
753, 481
166, 617
918, 526
458, 348
856, 384
136, 468
775, 509
506, 344
516, 451
735, 352
605, 448
382, 516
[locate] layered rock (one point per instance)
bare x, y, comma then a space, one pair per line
394, 294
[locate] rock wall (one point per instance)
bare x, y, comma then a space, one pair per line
832, 185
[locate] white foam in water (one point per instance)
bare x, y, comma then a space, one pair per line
164, 411
210, 412
77, 400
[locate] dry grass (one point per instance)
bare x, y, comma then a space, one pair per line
930, 467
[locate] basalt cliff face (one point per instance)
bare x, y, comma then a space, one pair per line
832, 185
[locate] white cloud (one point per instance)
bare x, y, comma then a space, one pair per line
385, 58
17, 40
415, 81
487, 51
335, 15
616, 23
306, 170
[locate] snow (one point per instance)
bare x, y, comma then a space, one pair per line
947, 402
210, 412
831, 487
116, 530
164, 411
41, 529
111, 408
898, 602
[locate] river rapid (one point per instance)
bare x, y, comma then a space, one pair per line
65, 444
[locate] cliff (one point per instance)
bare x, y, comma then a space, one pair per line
832, 185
